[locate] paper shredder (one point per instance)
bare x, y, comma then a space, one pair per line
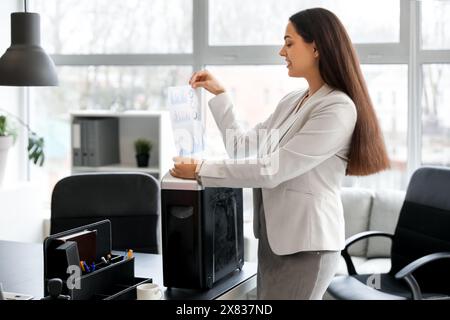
202, 233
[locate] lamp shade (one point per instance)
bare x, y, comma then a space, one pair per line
25, 63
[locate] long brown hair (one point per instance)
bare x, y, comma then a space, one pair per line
339, 68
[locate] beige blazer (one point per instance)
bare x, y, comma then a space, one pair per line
301, 195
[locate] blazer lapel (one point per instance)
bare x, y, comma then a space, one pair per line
286, 124
290, 128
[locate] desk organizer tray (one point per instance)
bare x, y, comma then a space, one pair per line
113, 280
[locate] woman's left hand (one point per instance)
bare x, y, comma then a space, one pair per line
184, 167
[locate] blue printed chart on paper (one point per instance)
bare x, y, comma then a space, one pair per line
187, 125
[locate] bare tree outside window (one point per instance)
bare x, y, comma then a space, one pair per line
255, 22
436, 115
435, 24
116, 26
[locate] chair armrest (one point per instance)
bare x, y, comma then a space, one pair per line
406, 272
363, 235
355, 238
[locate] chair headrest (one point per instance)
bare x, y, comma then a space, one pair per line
111, 194
430, 186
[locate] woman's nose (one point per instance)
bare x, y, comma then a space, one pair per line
281, 52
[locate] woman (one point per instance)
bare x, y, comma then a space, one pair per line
325, 132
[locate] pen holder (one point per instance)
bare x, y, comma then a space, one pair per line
110, 280
115, 281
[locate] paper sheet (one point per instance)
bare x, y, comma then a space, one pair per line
186, 118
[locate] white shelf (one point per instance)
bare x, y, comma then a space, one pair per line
116, 168
134, 124
109, 113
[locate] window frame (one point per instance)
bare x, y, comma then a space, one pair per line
268, 54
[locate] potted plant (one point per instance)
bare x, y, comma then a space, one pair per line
142, 147
8, 136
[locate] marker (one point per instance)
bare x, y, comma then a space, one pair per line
82, 265
93, 267
86, 266
130, 254
104, 260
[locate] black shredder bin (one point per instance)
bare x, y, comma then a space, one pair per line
202, 233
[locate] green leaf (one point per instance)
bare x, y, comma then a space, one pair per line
36, 149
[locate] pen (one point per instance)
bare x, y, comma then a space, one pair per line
86, 266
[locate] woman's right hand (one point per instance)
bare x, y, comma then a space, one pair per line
204, 79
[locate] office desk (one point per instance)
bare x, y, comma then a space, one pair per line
22, 271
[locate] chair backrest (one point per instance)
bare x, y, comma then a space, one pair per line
424, 227
131, 201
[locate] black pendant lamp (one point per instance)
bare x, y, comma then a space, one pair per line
25, 63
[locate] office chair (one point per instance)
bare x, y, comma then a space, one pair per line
420, 247
129, 200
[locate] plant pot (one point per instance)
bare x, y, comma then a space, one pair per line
142, 160
5, 144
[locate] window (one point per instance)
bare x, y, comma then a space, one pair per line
111, 88
388, 88
254, 22
116, 26
436, 115
435, 24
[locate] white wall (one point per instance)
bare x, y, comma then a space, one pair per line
21, 218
